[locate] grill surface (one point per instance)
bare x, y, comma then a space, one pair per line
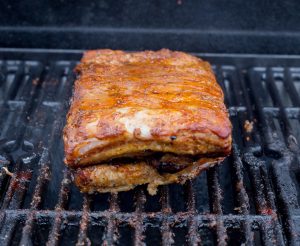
252, 198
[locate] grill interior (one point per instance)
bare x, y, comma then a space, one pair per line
252, 198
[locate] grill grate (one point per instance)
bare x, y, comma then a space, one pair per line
252, 198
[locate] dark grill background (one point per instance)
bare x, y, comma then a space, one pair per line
256, 26
252, 198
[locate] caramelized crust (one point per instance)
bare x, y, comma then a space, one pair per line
127, 103
114, 178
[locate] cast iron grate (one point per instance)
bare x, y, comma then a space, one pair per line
252, 198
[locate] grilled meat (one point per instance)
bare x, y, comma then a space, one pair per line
123, 177
127, 105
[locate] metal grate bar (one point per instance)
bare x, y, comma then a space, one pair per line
272, 205
254, 167
62, 203
43, 176
215, 197
166, 232
82, 237
138, 223
273, 143
150, 217
290, 87
111, 235
242, 196
287, 129
193, 236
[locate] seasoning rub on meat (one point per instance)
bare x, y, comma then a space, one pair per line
152, 117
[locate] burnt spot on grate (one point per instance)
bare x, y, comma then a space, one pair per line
252, 198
